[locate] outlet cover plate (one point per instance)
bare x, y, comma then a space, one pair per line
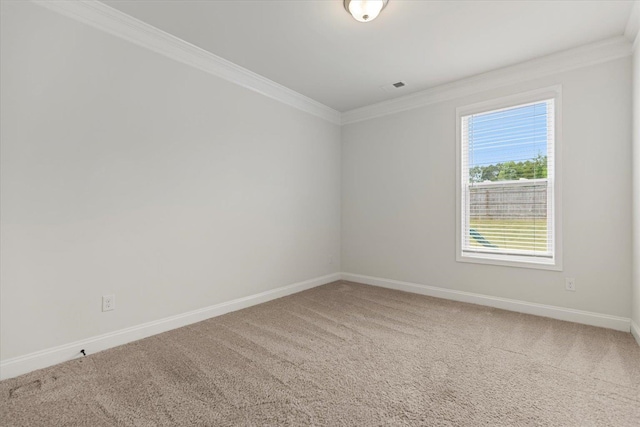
108, 302
570, 284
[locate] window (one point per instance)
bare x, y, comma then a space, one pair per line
508, 191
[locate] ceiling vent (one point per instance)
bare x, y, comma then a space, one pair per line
393, 87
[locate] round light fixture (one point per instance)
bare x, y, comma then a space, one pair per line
365, 10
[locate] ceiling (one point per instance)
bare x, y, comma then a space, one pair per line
317, 49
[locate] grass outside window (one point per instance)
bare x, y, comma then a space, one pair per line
528, 234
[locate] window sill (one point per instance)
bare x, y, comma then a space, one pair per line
511, 261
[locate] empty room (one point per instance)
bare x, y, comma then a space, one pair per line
319, 212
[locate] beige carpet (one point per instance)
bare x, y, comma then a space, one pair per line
346, 354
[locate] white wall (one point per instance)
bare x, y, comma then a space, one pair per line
398, 197
125, 172
635, 299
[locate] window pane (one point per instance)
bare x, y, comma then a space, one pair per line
508, 217
507, 188
508, 144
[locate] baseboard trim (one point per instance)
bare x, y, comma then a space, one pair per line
635, 331
554, 312
41, 359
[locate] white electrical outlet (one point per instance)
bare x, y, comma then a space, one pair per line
108, 302
330, 259
570, 284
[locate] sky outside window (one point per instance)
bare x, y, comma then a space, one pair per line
516, 134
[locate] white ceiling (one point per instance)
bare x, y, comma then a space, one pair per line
315, 48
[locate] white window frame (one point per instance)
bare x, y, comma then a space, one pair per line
555, 262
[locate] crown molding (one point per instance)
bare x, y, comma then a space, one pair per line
591, 54
633, 24
112, 21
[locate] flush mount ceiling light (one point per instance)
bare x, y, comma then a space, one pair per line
365, 10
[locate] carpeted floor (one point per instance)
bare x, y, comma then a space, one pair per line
346, 354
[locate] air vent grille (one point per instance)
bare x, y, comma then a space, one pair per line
393, 86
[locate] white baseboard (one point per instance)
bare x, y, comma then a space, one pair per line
635, 331
561, 313
23, 364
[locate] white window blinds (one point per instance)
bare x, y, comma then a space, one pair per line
507, 182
